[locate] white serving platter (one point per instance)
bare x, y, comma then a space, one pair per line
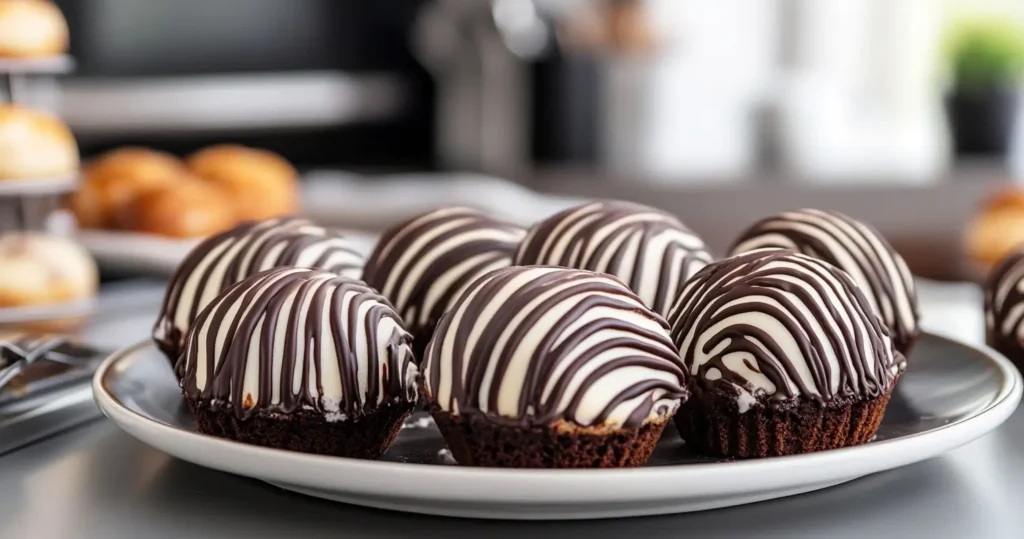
951, 394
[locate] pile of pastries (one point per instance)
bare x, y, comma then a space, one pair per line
569, 344
148, 191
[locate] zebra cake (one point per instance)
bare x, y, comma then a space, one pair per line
648, 249
784, 355
424, 263
229, 257
1004, 307
855, 248
303, 360
546, 367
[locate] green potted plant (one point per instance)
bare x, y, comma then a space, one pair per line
986, 60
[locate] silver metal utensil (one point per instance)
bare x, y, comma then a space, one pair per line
44, 387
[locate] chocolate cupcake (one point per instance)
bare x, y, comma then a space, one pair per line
543, 367
648, 249
784, 355
854, 247
227, 258
422, 264
1004, 307
303, 360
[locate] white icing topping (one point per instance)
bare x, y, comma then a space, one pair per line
591, 337
317, 308
648, 249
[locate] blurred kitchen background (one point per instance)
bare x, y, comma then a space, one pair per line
902, 113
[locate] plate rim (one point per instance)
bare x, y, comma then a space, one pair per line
456, 483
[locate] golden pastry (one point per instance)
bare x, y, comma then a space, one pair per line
31, 28
34, 144
260, 184
997, 229
187, 208
112, 181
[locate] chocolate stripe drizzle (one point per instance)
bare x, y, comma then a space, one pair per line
648, 249
605, 359
1004, 303
853, 247
463, 244
229, 257
778, 324
372, 354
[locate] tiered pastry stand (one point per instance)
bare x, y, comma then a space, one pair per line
31, 204
22, 198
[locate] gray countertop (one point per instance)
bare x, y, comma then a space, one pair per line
97, 482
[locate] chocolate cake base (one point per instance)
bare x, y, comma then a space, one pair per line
711, 423
305, 431
476, 441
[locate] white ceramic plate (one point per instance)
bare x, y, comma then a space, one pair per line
132, 252
951, 394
